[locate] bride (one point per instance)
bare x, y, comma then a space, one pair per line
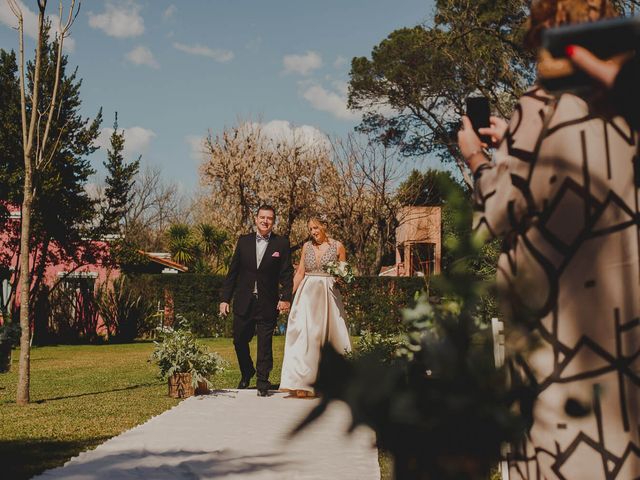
317, 313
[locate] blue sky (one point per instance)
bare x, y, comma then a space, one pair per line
173, 70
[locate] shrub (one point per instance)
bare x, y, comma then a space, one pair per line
10, 333
381, 346
195, 298
375, 304
179, 352
372, 304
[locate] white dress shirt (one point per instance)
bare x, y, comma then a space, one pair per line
261, 247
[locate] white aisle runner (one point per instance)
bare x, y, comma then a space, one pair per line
233, 434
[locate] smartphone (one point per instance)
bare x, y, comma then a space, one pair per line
478, 112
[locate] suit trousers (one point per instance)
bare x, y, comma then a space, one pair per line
244, 327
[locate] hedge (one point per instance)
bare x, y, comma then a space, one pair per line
371, 303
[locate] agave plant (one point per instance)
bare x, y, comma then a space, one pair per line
124, 312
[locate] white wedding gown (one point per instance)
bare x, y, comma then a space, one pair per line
316, 317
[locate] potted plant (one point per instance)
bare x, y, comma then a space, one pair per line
9, 337
186, 365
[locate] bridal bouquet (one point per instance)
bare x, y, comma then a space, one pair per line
342, 270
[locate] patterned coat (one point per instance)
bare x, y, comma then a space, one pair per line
563, 194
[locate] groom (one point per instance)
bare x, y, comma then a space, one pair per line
260, 280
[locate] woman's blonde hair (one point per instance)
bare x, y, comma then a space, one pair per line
320, 222
552, 13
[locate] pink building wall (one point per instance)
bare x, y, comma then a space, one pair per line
99, 268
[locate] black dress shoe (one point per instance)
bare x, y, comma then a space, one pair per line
263, 392
244, 383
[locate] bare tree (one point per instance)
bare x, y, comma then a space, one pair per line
154, 206
231, 173
245, 167
294, 180
351, 181
360, 199
38, 151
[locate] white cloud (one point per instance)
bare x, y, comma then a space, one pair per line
302, 64
136, 140
217, 54
282, 130
329, 101
142, 56
341, 87
340, 61
120, 20
169, 12
196, 146
30, 22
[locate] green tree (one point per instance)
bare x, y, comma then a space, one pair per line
10, 144
422, 188
120, 180
425, 73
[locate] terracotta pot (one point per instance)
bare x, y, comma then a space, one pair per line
202, 389
180, 385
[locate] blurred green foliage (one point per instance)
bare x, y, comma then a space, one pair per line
442, 409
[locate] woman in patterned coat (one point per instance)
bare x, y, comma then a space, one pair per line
562, 192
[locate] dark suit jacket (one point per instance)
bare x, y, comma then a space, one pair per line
274, 277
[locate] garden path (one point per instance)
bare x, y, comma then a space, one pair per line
232, 434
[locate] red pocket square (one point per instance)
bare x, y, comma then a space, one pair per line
276, 254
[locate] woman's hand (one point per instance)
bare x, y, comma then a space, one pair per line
496, 131
470, 145
604, 71
468, 141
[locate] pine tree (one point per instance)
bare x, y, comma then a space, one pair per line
120, 180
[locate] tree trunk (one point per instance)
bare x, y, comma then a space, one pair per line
39, 335
24, 375
28, 135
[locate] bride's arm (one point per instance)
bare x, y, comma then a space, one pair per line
297, 278
342, 253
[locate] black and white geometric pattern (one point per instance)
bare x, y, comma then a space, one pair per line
563, 194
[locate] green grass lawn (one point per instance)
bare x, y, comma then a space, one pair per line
83, 395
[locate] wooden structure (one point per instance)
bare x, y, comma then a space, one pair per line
418, 241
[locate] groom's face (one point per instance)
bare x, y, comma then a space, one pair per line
264, 222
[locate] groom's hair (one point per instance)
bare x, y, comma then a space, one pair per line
266, 207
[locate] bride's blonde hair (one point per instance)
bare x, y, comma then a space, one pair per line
320, 223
